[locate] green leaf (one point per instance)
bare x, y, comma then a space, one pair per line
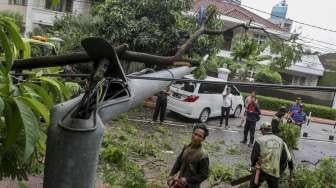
45, 98
13, 32
8, 50
13, 122
38, 107
26, 91
30, 125
57, 87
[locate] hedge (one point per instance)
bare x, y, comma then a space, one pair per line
268, 76
271, 103
328, 79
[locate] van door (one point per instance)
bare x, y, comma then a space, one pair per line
211, 96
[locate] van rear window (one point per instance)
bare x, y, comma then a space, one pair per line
186, 86
208, 88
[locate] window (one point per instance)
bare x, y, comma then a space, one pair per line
261, 39
62, 6
186, 86
17, 2
228, 35
234, 91
207, 88
302, 81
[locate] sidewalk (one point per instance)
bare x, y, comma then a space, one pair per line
313, 119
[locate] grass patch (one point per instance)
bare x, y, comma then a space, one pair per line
233, 150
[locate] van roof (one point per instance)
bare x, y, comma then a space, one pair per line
208, 78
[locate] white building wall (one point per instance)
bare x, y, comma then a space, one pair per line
81, 7
41, 16
4, 6
44, 16
312, 80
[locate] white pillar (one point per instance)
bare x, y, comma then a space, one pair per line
29, 17
223, 73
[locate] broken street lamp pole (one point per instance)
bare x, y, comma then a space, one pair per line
77, 126
75, 134
73, 144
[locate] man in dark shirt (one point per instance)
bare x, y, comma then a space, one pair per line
252, 116
270, 156
161, 105
278, 120
192, 163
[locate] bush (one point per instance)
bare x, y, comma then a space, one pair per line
290, 133
270, 103
319, 177
220, 173
268, 76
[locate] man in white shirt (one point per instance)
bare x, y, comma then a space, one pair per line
226, 107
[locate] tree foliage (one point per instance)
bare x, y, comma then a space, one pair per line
16, 16
245, 48
145, 25
24, 109
285, 53
73, 29
266, 75
156, 27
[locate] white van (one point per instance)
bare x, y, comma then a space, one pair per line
202, 100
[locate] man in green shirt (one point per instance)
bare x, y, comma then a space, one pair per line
192, 163
270, 156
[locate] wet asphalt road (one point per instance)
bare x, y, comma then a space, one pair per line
312, 148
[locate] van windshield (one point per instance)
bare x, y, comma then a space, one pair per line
186, 86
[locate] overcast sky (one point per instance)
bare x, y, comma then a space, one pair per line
320, 13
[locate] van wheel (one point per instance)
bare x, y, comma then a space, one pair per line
204, 115
237, 111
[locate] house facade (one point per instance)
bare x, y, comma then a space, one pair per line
41, 12
306, 72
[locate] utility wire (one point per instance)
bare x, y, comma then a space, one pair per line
299, 22
255, 85
318, 40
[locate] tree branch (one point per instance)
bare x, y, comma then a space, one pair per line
124, 54
189, 42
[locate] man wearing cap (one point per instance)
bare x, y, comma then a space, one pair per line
278, 120
299, 118
295, 106
270, 156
